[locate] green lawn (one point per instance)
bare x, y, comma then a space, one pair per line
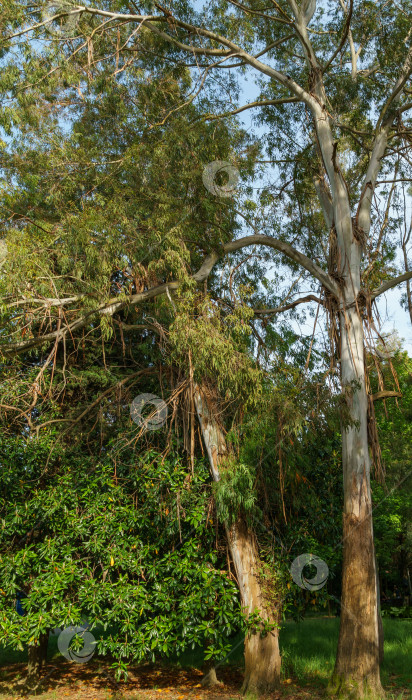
308, 650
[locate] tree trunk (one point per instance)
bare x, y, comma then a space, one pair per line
380, 623
37, 657
209, 679
262, 657
357, 663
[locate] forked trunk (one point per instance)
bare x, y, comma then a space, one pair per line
262, 657
357, 663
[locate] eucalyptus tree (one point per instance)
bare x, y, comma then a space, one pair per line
334, 83
94, 209
84, 209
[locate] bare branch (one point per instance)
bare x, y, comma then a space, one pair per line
383, 127
386, 395
389, 284
47, 302
290, 252
258, 103
343, 39
249, 11
286, 307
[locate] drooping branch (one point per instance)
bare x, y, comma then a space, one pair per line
115, 305
291, 252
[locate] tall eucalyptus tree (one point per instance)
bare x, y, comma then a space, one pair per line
334, 84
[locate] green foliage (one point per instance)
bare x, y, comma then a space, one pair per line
106, 134
393, 499
217, 344
132, 553
235, 493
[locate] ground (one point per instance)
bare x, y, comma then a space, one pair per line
93, 682
308, 650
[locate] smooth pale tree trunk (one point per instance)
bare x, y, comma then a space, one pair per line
357, 663
37, 657
356, 672
262, 657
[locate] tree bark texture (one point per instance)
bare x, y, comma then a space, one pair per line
37, 657
357, 663
262, 656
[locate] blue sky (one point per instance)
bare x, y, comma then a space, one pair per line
393, 317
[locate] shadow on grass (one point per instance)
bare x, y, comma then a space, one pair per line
308, 651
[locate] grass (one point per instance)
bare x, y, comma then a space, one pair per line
308, 650
308, 654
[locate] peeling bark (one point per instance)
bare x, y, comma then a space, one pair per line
262, 656
357, 663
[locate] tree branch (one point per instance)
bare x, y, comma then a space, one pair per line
383, 127
290, 252
343, 39
258, 103
389, 284
286, 307
114, 305
47, 302
385, 395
